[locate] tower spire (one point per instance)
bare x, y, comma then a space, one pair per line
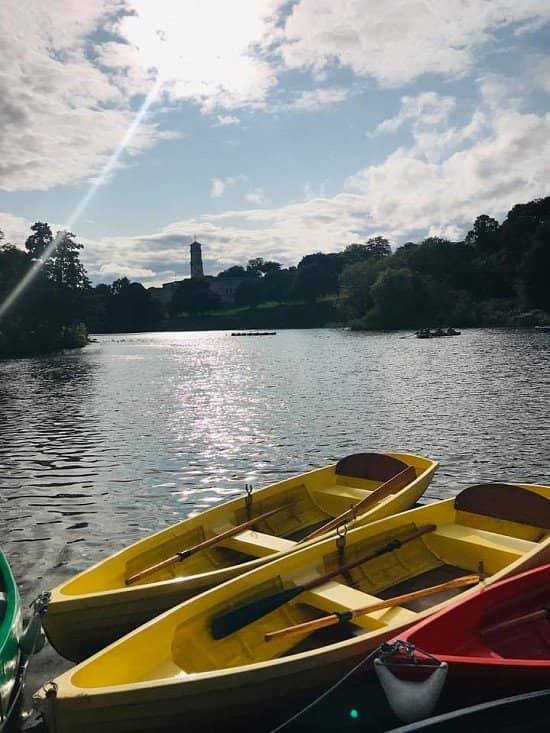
196, 260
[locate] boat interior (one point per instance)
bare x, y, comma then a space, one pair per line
510, 622
305, 503
469, 534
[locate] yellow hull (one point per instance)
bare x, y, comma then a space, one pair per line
96, 607
171, 674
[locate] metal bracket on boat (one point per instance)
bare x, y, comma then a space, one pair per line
50, 689
341, 532
410, 700
248, 499
41, 603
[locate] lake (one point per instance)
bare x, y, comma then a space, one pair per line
101, 446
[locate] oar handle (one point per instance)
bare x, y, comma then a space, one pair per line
179, 556
524, 619
340, 617
390, 486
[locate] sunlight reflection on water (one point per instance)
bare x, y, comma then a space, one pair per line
138, 430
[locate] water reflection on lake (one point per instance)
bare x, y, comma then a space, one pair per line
101, 446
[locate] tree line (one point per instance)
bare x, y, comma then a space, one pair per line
497, 275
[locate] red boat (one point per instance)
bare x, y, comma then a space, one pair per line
495, 642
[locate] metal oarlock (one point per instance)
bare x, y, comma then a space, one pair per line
248, 500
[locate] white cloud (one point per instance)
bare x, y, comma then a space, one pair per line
61, 115
314, 99
256, 197
395, 41
426, 109
16, 229
508, 162
225, 120
114, 270
218, 186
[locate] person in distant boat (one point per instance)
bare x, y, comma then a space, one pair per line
439, 332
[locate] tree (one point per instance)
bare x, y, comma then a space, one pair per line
534, 271
234, 271
14, 263
483, 232
317, 275
50, 312
277, 284
194, 296
378, 247
39, 241
396, 298
64, 267
127, 306
249, 293
356, 281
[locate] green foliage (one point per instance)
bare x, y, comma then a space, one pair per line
50, 313
534, 286
194, 296
235, 271
39, 241
249, 293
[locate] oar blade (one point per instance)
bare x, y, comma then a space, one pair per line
237, 618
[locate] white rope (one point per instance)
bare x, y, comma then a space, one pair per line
325, 693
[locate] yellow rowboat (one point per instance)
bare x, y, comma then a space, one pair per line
173, 674
132, 586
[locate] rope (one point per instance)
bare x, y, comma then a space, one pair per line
333, 687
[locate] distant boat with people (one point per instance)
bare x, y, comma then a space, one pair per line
254, 333
426, 333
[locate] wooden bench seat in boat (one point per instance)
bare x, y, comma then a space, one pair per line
338, 491
257, 544
334, 596
466, 546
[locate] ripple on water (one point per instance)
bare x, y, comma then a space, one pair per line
101, 446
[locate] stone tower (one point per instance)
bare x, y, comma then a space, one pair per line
196, 260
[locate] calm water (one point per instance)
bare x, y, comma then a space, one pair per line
101, 446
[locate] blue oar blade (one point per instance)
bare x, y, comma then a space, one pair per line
237, 618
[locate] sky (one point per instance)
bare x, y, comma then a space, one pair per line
266, 128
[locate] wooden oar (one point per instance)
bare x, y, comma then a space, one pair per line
235, 619
525, 619
179, 556
342, 616
395, 483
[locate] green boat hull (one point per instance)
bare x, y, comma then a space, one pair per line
11, 632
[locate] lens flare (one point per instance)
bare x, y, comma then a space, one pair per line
85, 200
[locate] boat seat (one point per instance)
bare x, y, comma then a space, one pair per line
338, 491
466, 546
334, 596
257, 544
